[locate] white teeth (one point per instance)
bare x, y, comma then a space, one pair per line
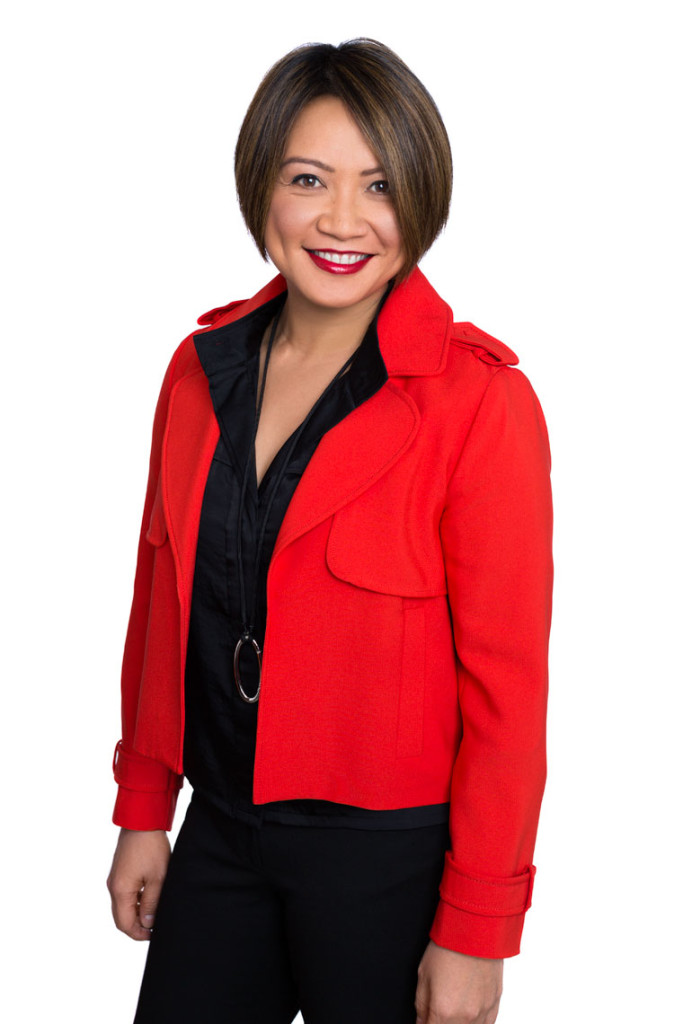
340, 257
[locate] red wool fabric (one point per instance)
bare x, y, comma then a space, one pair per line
409, 598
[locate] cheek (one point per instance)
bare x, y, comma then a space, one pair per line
388, 230
285, 224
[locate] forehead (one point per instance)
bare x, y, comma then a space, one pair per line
326, 131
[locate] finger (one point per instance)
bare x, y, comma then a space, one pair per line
421, 1005
149, 900
124, 905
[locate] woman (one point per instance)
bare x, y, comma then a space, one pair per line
336, 453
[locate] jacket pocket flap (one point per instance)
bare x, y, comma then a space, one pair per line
381, 552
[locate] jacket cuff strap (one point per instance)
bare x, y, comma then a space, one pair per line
482, 916
148, 792
492, 897
143, 773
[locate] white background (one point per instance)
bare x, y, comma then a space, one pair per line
120, 226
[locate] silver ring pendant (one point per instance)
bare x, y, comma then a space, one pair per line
246, 639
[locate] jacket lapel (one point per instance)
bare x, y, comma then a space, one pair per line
414, 328
349, 458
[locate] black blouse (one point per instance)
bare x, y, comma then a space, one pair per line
220, 728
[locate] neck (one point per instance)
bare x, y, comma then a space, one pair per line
316, 332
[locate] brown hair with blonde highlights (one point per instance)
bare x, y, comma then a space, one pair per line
393, 110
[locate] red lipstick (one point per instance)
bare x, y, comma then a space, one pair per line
340, 262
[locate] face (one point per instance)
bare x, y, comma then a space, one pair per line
331, 229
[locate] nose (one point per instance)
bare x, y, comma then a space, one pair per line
342, 216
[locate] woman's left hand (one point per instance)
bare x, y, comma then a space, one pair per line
456, 989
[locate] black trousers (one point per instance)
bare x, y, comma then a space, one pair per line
257, 923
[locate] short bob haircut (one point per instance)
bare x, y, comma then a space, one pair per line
391, 107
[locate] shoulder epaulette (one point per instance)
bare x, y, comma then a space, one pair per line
206, 319
484, 346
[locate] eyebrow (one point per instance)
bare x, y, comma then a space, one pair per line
325, 167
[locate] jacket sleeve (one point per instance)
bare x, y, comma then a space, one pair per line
148, 790
496, 538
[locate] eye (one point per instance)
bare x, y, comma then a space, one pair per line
380, 188
307, 180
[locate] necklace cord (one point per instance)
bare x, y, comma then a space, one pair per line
248, 615
246, 630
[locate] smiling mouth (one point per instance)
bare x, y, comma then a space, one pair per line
341, 258
334, 262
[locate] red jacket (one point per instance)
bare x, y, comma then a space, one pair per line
405, 657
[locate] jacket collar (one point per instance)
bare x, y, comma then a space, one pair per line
412, 310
